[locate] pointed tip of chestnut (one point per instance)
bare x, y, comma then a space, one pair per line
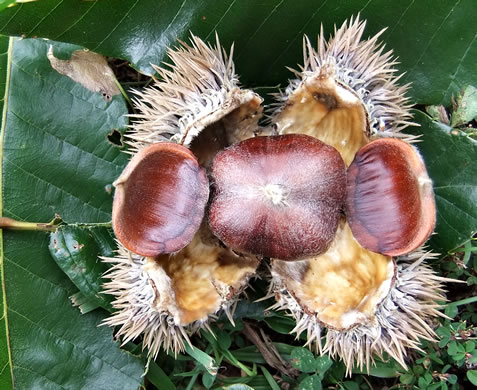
160, 200
277, 196
390, 202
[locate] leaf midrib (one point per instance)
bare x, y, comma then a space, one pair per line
2, 270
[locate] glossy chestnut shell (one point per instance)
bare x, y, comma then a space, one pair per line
390, 202
160, 200
277, 196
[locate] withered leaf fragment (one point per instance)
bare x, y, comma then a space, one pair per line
89, 69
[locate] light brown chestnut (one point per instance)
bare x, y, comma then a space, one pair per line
390, 202
160, 200
277, 196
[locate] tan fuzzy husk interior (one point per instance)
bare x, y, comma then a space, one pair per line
203, 275
231, 127
342, 286
326, 110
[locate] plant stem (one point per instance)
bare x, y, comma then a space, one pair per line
93, 224
3, 293
123, 92
464, 301
9, 223
12, 224
192, 382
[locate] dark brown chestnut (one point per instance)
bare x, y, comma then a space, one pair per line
160, 200
390, 202
277, 196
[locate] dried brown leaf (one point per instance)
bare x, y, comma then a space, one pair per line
89, 69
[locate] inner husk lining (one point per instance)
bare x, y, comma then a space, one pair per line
343, 286
329, 111
203, 275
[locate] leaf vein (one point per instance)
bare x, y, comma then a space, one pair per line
365, 6
175, 17
402, 16
15, 216
117, 25
58, 188
79, 347
44, 17
64, 141
455, 186
423, 52
2, 253
38, 373
7, 364
442, 218
259, 28
12, 17
220, 20
455, 206
37, 276
93, 3
295, 38
461, 61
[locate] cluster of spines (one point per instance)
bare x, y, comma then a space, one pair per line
134, 301
195, 85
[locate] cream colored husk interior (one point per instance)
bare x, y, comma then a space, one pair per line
342, 286
202, 276
324, 109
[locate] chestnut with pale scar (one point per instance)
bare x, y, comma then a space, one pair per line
277, 196
159, 200
390, 202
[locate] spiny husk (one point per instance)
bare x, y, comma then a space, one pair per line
199, 88
346, 73
362, 66
146, 302
403, 318
134, 297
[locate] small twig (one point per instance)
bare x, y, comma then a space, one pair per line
192, 381
269, 351
369, 384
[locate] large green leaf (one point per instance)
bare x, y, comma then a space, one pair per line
435, 40
451, 159
56, 159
